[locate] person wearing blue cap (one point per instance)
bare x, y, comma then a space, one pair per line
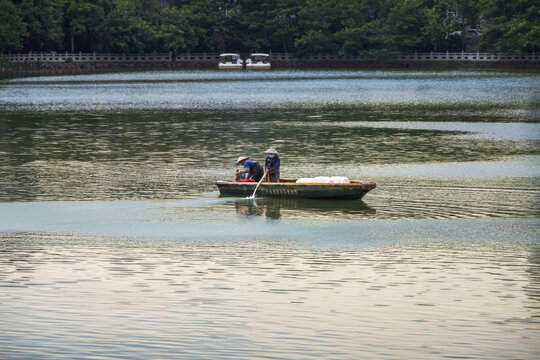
272, 165
252, 169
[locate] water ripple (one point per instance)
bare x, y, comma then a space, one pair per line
258, 299
276, 89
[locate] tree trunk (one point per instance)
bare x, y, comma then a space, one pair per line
284, 43
463, 32
221, 39
72, 43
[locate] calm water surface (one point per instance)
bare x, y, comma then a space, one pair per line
114, 242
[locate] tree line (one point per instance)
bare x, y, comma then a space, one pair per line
346, 27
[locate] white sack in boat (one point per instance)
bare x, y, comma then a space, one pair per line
324, 180
339, 180
304, 180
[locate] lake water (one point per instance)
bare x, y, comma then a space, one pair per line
115, 243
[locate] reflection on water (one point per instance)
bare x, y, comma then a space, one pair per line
221, 218
248, 207
312, 208
410, 199
257, 298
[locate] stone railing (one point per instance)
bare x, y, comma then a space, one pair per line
430, 56
466, 56
186, 58
318, 57
86, 57
273, 56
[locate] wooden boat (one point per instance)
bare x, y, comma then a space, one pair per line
259, 61
288, 188
229, 61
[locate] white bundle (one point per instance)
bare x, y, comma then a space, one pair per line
339, 180
324, 180
304, 180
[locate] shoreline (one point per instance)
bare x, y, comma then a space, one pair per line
14, 70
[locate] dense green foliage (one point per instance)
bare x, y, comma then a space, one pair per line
13, 29
513, 26
365, 27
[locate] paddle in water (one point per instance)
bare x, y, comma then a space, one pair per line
256, 187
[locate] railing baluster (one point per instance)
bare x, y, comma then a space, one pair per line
213, 57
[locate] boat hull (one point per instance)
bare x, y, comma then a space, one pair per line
229, 66
257, 66
289, 189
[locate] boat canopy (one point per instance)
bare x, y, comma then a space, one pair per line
229, 54
260, 54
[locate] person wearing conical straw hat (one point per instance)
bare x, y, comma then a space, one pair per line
241, 160
240, 174
252, 169
272, 165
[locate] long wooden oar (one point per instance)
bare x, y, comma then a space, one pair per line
256, 187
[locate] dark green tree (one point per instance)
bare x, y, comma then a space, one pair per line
362, 28
407, 26
435, 28
13, 29
174, 30
511, 26
349, 27
44, 23
148, 9
319, 22
256, 25
221, 19
86, 19
285, 24
266, 25
123, 31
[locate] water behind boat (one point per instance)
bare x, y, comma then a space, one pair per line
116, 244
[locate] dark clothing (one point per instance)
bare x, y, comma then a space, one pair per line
272, 164
256, 172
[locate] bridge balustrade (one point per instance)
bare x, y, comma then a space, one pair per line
287, 57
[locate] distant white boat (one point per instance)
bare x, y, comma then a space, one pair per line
258, 61
230, 61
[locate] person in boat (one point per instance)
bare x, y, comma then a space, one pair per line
272, 165
248, 61
239, 61
252, 169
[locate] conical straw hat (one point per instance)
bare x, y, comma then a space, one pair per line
271, 151
241, 158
